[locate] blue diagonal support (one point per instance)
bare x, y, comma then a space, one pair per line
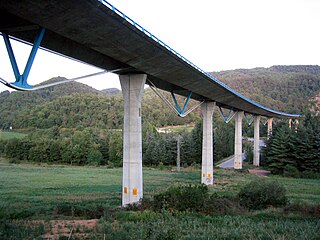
21, 80
249, 120
181, 111
176, 102
11, 56
228, 117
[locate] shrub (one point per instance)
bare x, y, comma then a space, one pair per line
222, 205
260, 193
304, 208
291, 171
182, 198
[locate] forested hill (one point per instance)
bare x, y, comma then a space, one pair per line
285, 88
15, 102
75, 105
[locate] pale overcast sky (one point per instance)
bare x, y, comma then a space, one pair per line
214, 34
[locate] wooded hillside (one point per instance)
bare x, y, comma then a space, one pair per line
284, 88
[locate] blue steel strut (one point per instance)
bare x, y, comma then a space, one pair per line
22, 79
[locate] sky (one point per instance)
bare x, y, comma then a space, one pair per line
215, 35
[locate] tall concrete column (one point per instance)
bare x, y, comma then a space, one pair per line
256, 145
207, 143
269, 127
132, 91
238, 141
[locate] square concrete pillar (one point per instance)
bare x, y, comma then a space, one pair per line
238, 141
132, 91
207, 143
269, 124
256, 141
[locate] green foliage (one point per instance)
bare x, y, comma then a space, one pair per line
260, 193
285, 88
295, 152
183, 198
94, 157
4, 135
223, 138
304, 208
11, 230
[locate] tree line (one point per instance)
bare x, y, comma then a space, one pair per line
295, 151
95, 146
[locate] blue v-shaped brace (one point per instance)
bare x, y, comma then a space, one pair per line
181, 111
21, 80
249, 120
228, 117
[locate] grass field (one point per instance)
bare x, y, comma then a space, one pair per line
31, 196
10, 134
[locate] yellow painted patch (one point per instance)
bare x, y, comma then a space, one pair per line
125, 190
135, 192
203, 175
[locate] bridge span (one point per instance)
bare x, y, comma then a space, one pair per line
95, 32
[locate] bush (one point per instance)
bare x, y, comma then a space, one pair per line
260, 193
306, 209
222, 205
182, 198
291, 171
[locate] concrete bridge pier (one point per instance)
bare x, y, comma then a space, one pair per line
269, 132
132, 91
207, 109
238, 140
256, 145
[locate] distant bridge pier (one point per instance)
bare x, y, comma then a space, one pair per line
269, 124
132, 90
238, 140
207, 109
256, 145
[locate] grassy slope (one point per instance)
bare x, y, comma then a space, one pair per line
50, 192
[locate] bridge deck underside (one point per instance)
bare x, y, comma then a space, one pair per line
89, 31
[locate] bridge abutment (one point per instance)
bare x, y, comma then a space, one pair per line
238, 140
256, 142
132, 90
207, 109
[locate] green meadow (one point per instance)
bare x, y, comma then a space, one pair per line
4, 135
33, 195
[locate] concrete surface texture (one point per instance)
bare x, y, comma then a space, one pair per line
132, 185
256, 143
207, 109
238, 141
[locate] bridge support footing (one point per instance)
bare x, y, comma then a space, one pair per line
207, 143
256, 142
238, 141
132, 90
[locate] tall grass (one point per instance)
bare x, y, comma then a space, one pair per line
34, 192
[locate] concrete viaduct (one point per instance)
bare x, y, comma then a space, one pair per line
95, 32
